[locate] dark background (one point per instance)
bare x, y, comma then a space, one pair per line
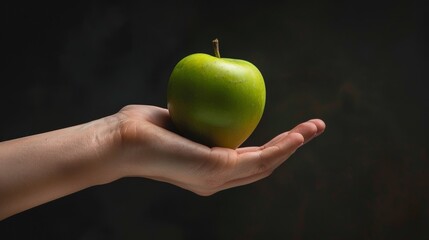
360, 66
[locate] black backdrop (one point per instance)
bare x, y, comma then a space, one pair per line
359, 66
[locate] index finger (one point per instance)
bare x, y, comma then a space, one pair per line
254, 160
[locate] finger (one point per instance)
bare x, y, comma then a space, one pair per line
320, 126
267, 158
256, 163
275, 140
247, 149
307, 129
282, 149
256, 148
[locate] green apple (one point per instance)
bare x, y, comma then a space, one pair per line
215, 101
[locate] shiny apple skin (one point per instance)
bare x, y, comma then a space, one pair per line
216, 101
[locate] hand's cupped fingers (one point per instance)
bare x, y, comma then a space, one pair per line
268, 158
247, 149
270, 143
284, 148
307, 129
276, 139
320, 125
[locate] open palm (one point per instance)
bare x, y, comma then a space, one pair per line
151, 149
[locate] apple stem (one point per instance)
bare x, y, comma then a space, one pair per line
216, 47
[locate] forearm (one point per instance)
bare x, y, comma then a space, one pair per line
44, 167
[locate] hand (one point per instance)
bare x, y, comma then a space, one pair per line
137, 141
150, 149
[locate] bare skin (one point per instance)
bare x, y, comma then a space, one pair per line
136, 141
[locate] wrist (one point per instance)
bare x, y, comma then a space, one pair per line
105, 141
